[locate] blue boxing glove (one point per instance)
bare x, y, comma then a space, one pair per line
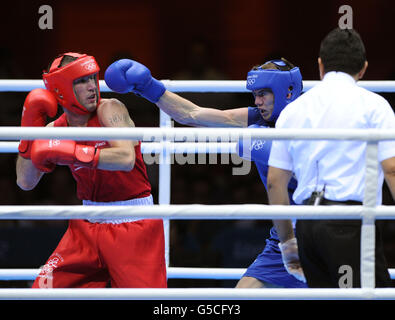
127, 75
257, 150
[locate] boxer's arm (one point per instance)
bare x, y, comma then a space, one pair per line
277, 189
188, 113
388, 166
127, 75
121, 154
27, 175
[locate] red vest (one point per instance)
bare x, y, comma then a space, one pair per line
104, 185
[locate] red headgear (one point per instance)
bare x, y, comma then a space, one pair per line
59, 80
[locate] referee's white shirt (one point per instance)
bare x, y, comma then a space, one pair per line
336, 102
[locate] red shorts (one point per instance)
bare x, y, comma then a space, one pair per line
129, 255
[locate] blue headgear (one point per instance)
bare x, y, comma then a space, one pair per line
281, 81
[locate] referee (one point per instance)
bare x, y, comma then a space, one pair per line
332, 172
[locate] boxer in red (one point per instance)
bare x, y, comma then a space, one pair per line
127, 252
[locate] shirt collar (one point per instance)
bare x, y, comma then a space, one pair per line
339, 76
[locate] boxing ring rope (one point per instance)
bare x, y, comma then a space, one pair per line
156, 134
157, 147
193, 85
172, 273
369, 212
169, 143
197, 294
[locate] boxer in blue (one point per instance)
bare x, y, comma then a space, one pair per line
273, 84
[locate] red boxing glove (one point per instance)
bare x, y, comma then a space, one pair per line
38, 104
45, 154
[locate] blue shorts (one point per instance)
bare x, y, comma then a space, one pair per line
269, 267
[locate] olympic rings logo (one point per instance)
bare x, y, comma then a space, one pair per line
53, 143
51, 264
258, 144
250, 81
90, 66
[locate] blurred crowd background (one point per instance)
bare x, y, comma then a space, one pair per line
177, 40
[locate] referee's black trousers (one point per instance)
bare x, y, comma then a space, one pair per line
330, 251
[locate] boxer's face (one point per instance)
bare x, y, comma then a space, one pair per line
264, 100
86, 91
